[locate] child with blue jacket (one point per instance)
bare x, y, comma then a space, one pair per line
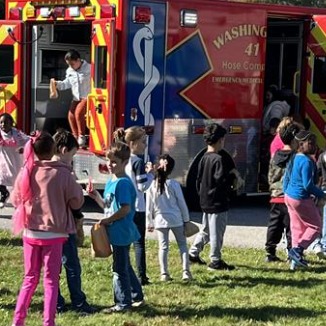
119, 209
299, 187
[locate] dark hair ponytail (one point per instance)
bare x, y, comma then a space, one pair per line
163, 171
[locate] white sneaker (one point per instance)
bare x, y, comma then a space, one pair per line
186, 276
166, 278
320, 252
81, 140
137, 304
2, 205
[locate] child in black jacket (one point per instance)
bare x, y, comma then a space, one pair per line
213, 185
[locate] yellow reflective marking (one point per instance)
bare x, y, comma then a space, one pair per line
14, 114
318, 102
16, 51
320, 137
99, 34
320, 37
96, 141
103, 127
4, 32
319, 105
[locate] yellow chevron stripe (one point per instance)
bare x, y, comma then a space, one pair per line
4, 32
92, 128
103, 126
10, 90
313, 97
99, 34
16, 51
96, 141
97, 8
320, 37
316, 100
92, 62
320, 137
14, 114
318, 103
13, 88
12, 5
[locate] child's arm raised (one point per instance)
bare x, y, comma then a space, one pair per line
94, 194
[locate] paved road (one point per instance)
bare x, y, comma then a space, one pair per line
246, 228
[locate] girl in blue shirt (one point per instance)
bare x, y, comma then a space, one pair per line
300, 191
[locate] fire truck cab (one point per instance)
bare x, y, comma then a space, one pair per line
170, 66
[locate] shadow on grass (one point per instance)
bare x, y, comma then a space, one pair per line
314, 266
4, 291
259, 314
8, 241
233, 281
38, 307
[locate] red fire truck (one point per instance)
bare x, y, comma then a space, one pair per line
170, 66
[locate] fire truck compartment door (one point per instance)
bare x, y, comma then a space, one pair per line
100, 115
315, 103
11, 72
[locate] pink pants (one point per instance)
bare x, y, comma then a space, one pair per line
305, 221
76, 117
34, 257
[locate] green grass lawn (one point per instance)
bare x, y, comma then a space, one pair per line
256, 293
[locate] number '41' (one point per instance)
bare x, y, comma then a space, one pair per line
252, 49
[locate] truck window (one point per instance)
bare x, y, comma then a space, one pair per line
100, 66
71, 34
7, 64
53, 65
319, 75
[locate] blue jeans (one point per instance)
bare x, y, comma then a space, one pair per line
126, 286
139, 245
71, 263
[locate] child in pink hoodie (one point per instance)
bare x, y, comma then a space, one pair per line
44, 194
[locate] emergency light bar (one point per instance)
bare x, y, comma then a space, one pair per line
53, 3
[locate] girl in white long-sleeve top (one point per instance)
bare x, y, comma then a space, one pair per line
12, 142
166, 210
